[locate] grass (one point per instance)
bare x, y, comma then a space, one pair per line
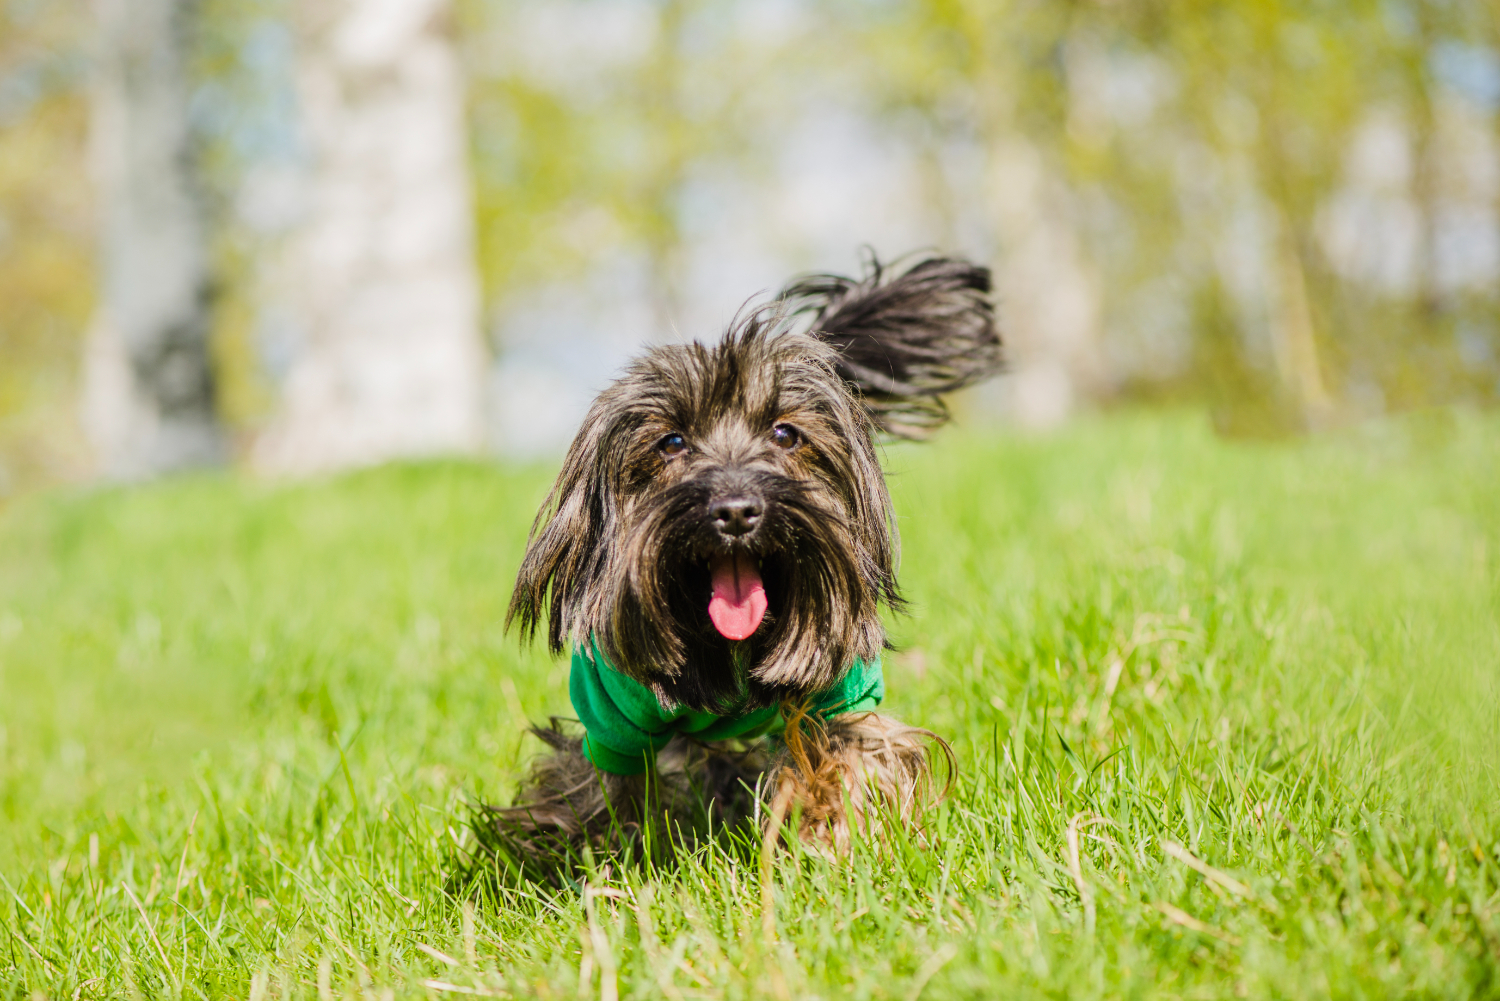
1227, 718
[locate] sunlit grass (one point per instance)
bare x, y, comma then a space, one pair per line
1254, 685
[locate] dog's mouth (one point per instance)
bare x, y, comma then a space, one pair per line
738, 603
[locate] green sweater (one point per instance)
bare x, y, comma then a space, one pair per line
626, 724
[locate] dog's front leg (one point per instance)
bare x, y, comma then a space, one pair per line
565, 803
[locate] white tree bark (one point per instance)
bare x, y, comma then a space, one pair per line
148, 403
388, 359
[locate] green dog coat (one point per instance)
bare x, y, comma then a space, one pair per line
625, 724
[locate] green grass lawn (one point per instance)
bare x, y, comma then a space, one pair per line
1227, 716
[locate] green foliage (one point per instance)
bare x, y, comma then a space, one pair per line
1236, 140
241, 723
574, 165
241, 57
46, 241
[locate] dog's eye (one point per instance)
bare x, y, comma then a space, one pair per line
672, 444
785, 436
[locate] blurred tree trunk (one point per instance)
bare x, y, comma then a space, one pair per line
388, 357
1294, 339
148, 384
1292, 197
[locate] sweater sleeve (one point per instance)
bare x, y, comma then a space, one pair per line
624, 723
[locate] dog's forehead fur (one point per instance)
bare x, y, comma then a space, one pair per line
716, 395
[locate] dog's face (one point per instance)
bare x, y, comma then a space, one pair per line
725, 521
721, 527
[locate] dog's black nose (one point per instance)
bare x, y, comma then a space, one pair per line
735, 516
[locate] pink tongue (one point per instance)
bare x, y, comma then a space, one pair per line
739, 601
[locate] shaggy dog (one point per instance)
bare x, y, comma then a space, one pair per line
715, 553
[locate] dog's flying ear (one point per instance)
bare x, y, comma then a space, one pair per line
563, 540
905, 337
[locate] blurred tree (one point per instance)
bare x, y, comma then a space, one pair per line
1265, 92
993, 73
379, 278
658, 93
580, 159
46, 240
251, 161
149, 385
1185, 163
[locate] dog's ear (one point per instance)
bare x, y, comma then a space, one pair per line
560, 550
905, 337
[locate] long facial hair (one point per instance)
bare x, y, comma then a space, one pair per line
620, 554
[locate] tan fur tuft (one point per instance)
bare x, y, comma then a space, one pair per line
854, 774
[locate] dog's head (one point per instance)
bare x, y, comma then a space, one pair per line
721, 527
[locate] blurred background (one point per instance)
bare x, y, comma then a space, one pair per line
303, 236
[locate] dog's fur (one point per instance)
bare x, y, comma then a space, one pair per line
620, 551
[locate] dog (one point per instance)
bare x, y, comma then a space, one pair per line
715, 553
